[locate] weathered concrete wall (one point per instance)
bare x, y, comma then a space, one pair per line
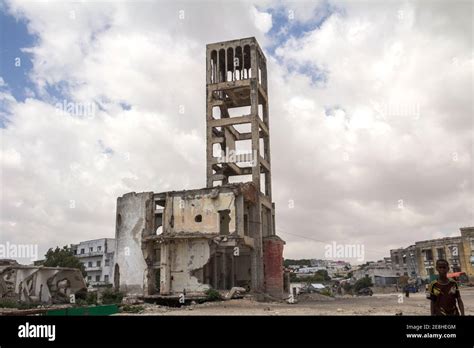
34, 284
186, 208
184, 259
134, 218
448, 244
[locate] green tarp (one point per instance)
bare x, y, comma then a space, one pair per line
79, 311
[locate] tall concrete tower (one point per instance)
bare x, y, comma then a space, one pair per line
238, 141
237, 113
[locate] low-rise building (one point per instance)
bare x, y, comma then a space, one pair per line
318, 263
338, 268
310, 270
404, 261
98, 258
429, 251
419, 260
380, 272
467, 251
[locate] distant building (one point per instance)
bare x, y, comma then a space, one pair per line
98, 258
308, 270
404, 261
380, 272
337, 268
318, 263
388, 261
429, 251
467, 251
419, 260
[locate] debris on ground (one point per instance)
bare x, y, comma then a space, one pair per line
386, 304
235, 292
314, 297
131, 300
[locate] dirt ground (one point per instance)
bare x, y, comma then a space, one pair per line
378, 304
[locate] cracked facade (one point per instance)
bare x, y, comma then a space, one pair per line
223, 235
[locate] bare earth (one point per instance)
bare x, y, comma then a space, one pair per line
378, 304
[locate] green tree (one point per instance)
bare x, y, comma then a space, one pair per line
294, 278
63, 258
318, 277
301, 262
322, 275
363, 283
348, 287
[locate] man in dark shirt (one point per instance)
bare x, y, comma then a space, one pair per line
444, 293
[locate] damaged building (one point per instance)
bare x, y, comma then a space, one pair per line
223, 235
38, 284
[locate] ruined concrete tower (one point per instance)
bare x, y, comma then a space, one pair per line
237, 113
237, 121
222, 236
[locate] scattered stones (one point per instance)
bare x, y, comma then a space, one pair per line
235, 292
131, 300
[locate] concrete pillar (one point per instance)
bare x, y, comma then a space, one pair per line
214, 264
165, 270
223, 273
273, 258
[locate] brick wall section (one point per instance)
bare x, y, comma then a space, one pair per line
273, 265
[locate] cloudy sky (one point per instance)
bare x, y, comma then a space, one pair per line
371, 115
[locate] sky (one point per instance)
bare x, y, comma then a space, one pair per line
371, 115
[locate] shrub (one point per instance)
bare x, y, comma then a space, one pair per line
110, 296
362, 283
91, 298
326, 292
348, 288
132, 309
81, 295
213, 295
8, 303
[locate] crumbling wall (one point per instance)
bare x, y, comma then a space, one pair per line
134, 221
199, 213
187, 259
35, 284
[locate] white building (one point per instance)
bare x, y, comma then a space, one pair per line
310, 270
98, 258
380, 272
296, 288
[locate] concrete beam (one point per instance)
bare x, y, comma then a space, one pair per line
230, 121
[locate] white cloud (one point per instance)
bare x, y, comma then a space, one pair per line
391, 120
263, 20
